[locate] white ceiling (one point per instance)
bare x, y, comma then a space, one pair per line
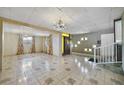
11, 28
77, 20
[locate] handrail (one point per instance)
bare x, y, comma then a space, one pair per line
106, 54
108, 45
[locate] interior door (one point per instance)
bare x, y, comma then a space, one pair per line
66, 45
118, 37
107, 39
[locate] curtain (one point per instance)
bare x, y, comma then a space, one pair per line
50, 45
44, 44
33, 45
20, 49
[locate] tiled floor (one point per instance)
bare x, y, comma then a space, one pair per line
46, 69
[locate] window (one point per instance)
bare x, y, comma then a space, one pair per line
27, 39
118, 30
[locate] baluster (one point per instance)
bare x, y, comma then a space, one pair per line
107, 54
103, 54
112, 54
100, 54
94, 55
116, 53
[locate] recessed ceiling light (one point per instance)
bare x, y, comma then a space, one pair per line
86, 38
82, 38
78, 42
75, 45
85, 49
90, 49
94, 46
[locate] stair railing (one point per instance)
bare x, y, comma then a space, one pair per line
106, 54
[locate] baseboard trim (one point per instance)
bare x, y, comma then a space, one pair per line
82, 54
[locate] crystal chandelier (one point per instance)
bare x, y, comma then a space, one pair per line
59, 25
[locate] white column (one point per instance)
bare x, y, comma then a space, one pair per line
123, 41
1, 40
60, 44
57, 44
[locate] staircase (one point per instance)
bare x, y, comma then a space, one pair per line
106, 54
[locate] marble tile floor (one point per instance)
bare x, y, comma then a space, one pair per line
43, 69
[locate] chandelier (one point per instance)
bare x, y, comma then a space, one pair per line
59, 25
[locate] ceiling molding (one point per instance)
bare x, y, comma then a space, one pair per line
44, 29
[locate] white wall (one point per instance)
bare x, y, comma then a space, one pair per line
27, 48
123, 41
38, 43
11, 40
107, 39
1, 43
10, 44
118, 31
57, 41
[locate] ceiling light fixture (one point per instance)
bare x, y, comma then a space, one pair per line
94, 46
78, 42
90, 50
85, 49
82, 38
86, 38
59, 25
75, 45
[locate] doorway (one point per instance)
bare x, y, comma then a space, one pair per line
66, 45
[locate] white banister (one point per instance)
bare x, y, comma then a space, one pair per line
94, 55
106, 54
116, 53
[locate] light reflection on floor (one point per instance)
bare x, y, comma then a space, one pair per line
32, 69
